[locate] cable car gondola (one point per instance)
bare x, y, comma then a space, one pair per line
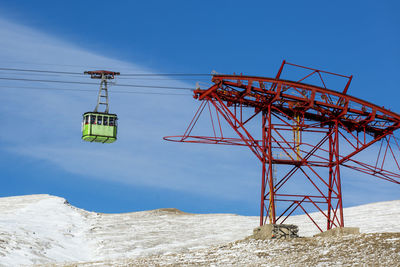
100, 126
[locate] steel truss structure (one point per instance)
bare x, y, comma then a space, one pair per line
308, 133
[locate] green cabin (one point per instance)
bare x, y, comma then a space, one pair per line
99, 127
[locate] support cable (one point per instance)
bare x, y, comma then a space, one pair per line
129, 74
87, 90
88, 83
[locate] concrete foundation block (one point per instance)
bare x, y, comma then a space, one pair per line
276, 231
339, 231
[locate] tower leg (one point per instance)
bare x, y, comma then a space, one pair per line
270, 171
335, 203
264, 172
331, 149
267, 173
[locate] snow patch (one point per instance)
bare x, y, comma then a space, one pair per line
40, 229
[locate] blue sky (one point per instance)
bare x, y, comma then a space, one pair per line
40, 146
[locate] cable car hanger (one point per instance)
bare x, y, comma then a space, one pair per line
100, 126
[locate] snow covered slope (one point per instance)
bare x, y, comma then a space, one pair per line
41, 229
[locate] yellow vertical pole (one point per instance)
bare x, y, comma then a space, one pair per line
296, 135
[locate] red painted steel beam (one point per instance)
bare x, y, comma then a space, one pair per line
201, 94
288, 108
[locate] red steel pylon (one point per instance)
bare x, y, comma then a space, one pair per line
310, 132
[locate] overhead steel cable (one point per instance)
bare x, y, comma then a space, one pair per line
61, 65
129, 74
53, 75
88, 83
160, 79
41, 71
87, 90
167, 74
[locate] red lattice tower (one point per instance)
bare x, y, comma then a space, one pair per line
309, 132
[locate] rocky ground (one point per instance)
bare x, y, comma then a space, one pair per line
378, 249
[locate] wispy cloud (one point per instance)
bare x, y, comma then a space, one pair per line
45, 125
